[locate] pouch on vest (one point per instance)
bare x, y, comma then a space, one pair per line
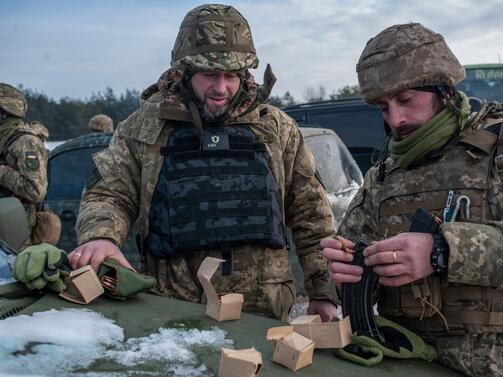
122, 283
47, 228
213, 192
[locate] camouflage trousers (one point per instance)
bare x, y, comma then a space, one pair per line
263, 276
472, 354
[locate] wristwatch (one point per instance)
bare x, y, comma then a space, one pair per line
440, 254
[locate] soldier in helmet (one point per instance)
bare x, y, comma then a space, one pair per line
23, 157
445, 286
101, 123
211, 170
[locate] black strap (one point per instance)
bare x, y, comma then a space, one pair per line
220, 196
225, 153
216, 171
192, 239
220, 212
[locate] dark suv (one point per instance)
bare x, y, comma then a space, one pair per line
359, 125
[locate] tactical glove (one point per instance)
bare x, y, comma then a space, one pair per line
42, 266
396, 341
122, 283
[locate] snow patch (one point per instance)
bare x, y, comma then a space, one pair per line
63, 342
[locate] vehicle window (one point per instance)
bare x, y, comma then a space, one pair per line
358, 128
68, 172
484, 83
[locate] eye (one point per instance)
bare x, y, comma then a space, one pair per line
383, 108
231, 75
404, 100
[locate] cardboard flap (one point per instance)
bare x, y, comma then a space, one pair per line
297, 341
276, 333
303, 319
84, 286
204, 274
250, 354
230, 298
325, 334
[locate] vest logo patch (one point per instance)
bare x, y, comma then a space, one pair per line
215, 142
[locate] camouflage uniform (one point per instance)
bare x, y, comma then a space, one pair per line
101, 123
23, 157
469, 296
129, 170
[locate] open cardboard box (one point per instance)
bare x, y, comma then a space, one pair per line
223, 307
292, 350
84, 286
239, 363
324, 334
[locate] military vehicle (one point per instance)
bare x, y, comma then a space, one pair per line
143, 344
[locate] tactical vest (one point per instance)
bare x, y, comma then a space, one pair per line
214, 192
463, 169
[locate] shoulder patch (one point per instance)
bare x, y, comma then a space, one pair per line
31, 160
93, 178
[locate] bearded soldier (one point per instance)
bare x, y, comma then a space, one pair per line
211, 171
101, 123
444, 286
23, 157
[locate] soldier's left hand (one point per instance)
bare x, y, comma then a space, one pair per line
401, 259
325, 308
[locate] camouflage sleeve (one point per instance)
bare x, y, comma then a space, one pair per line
475, 253
360, 221
308, 214
25, 173
110, 202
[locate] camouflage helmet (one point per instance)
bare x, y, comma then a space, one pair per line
101, 123
214, 37
12, 100
403, 57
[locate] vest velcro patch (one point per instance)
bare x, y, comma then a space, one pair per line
31, 160
93, 178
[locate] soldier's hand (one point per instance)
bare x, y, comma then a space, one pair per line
94, 253
325, 308
338, 260
401, 259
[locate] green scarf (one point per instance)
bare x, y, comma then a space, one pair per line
433, 135
7, 124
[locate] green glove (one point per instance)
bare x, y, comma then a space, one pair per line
42, 266
122, 283
396, 342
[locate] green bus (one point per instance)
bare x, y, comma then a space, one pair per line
484, 81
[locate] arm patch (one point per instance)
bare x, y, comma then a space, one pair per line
31, 160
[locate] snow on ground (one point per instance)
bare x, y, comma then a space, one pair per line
62, 342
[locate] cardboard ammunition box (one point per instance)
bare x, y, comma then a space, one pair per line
324, 334
223, 307
239, 363
292, 350
84, 286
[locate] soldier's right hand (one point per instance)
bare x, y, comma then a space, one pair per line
94, 253
338, 260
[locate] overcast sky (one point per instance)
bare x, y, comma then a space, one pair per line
75, 48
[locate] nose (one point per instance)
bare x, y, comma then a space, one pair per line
395, 117
219, 84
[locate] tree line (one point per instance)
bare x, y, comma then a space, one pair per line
67, 118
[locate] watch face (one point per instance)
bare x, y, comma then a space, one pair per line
441, 259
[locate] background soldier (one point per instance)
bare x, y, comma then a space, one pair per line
211, 171
101, 123
444, 161
23, 157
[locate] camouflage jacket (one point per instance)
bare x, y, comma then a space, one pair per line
130, 167
475, 256
24, 157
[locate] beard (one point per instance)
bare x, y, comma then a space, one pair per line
405, 131
212, 115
